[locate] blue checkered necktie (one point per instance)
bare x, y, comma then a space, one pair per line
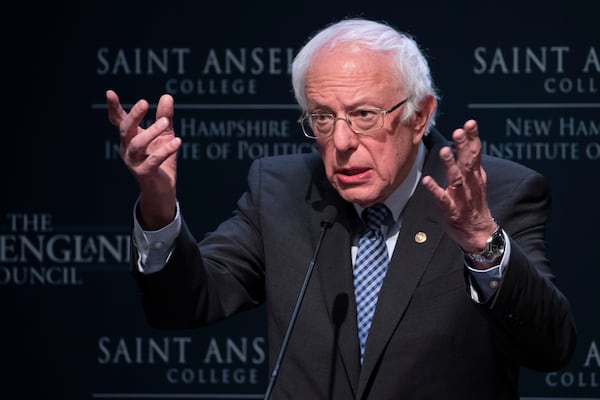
369, 270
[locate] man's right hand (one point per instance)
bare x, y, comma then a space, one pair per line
151, 156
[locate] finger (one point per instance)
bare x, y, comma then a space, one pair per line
146, 142
167, 148
130, 125
436, 190
165, 107
468, 147
454, 176
471, 128
439, 194
475, 177
116, 113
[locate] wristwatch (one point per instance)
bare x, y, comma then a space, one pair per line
493, 250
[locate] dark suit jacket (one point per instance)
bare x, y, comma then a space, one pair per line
428, 339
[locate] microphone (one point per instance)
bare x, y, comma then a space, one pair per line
329, 215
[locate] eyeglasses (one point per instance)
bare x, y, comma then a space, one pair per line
361, 121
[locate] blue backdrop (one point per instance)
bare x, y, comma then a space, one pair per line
72, 324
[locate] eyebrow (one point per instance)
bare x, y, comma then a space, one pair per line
322, 109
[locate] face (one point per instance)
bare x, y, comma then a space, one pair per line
365, 168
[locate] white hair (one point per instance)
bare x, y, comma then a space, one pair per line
410, 63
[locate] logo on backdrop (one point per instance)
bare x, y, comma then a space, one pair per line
556, 69
584, 374
33, 251
211, 72
555, 117
184, 362
220, 97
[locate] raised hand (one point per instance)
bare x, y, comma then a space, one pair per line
463, 202
150, 154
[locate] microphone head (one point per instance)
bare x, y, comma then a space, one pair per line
329, 215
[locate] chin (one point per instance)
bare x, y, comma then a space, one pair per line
357, 196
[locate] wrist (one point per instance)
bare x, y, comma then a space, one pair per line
153, 216
492, 252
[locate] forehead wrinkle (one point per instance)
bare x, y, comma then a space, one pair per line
353, 76
350, 89
349, 95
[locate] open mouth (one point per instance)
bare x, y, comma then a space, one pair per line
353, 176
353, 171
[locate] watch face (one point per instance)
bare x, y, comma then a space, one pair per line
496, 246
493, 250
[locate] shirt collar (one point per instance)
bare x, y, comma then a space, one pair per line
397, 200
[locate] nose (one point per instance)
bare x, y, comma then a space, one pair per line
344, 137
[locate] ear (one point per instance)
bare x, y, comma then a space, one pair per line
422, 116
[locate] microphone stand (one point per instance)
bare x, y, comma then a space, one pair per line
326, 223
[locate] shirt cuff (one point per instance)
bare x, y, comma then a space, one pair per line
155, 247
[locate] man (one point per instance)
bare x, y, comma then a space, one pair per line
467, 296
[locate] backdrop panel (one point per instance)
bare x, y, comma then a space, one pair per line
73, 327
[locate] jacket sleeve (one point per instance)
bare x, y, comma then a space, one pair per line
534, 317
204, 282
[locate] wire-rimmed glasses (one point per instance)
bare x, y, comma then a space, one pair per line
361, 121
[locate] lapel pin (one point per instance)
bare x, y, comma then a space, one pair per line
420, 237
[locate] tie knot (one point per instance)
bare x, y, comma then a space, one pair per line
375, 215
